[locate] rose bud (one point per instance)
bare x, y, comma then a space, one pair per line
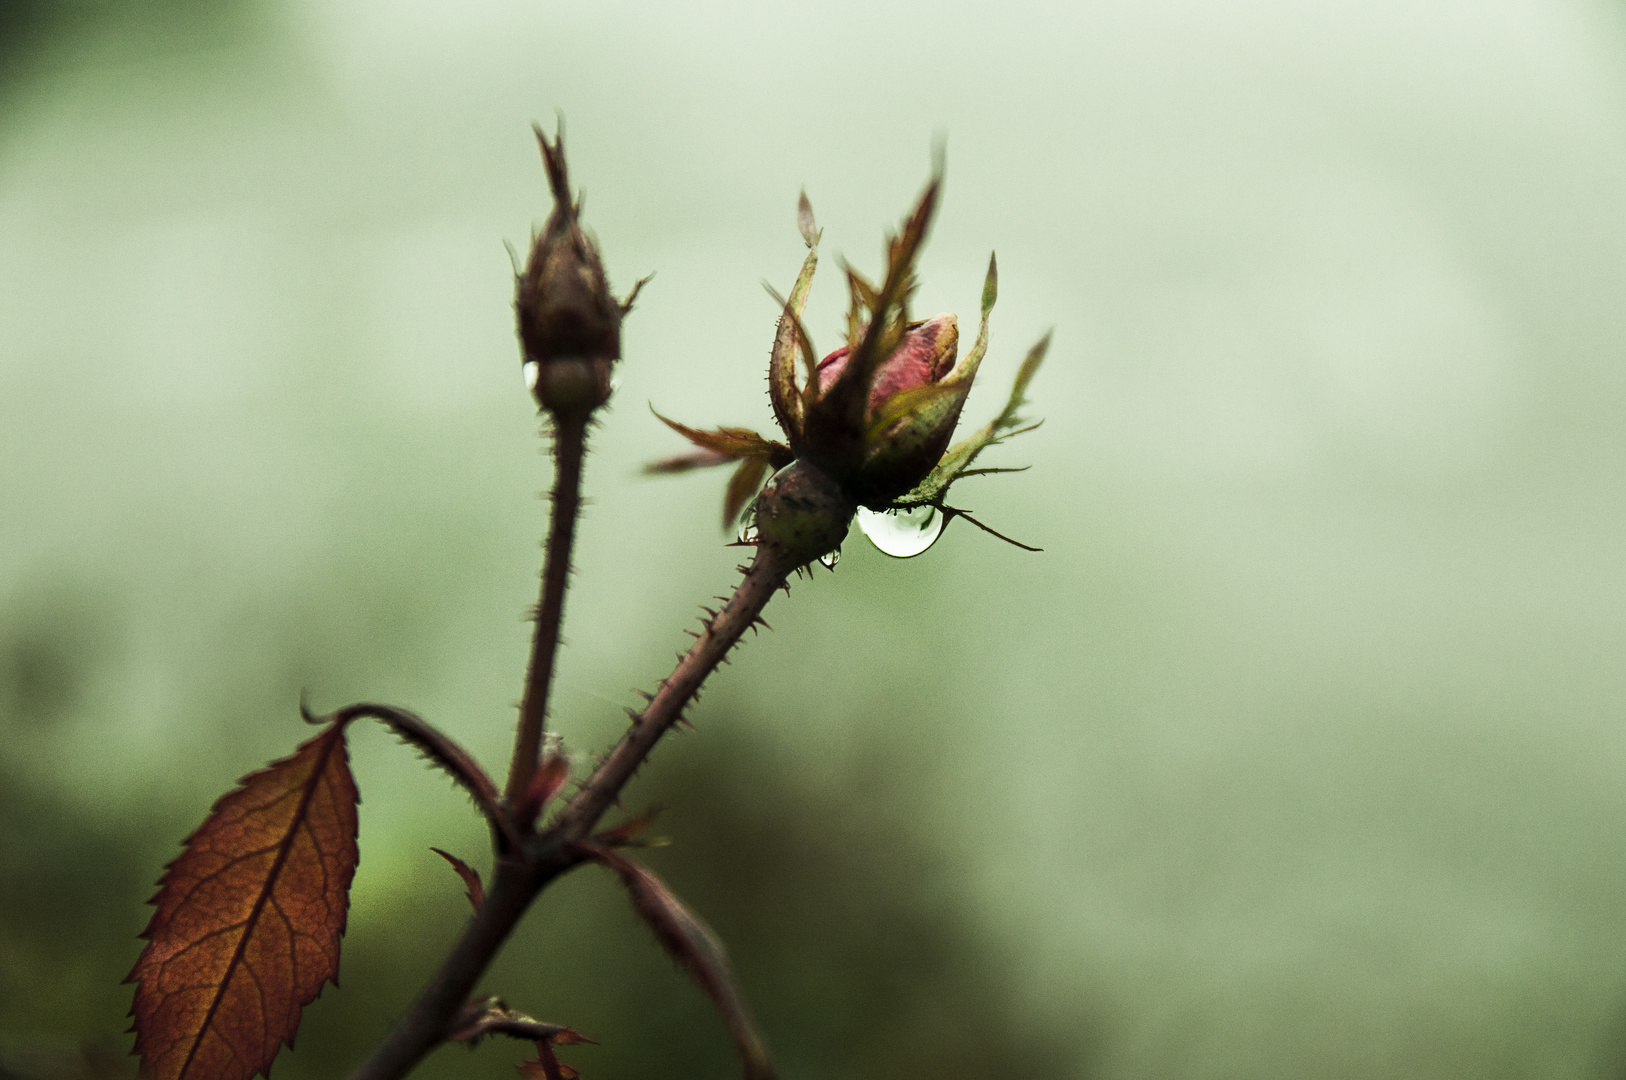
569, 324
869, 425
914, 404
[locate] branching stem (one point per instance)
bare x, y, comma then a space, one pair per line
520, 875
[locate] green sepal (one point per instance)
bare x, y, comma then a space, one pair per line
787, 403
835, 426
957, 461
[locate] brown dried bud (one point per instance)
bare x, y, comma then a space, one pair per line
569, 324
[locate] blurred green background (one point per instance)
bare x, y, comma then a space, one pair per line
1298, 752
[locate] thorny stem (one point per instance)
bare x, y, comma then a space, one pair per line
429, 1021
569, 437
767, 572
520, 876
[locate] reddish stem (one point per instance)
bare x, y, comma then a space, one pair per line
521, 875
569, 437
767, 572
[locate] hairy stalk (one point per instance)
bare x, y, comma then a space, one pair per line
767, 572
569, 437
520, 876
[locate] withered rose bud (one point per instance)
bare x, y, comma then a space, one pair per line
569, 324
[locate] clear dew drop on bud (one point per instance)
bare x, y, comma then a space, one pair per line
902, 534
830, 558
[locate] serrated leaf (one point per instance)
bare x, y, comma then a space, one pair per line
697, 950
471, 877
248, 920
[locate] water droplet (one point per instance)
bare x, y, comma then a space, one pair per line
830, 558
532, 370
902, 534
748, 529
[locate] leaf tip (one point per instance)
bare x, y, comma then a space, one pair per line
804, 221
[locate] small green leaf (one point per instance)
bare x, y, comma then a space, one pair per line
990, 287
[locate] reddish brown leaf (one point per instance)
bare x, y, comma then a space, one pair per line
627, 833
248, 920
549, 777
545, 1066
567, 1037
730, 441
694, 947
742, 487
679, 463
470, 876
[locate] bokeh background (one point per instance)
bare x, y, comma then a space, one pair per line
1299, 752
